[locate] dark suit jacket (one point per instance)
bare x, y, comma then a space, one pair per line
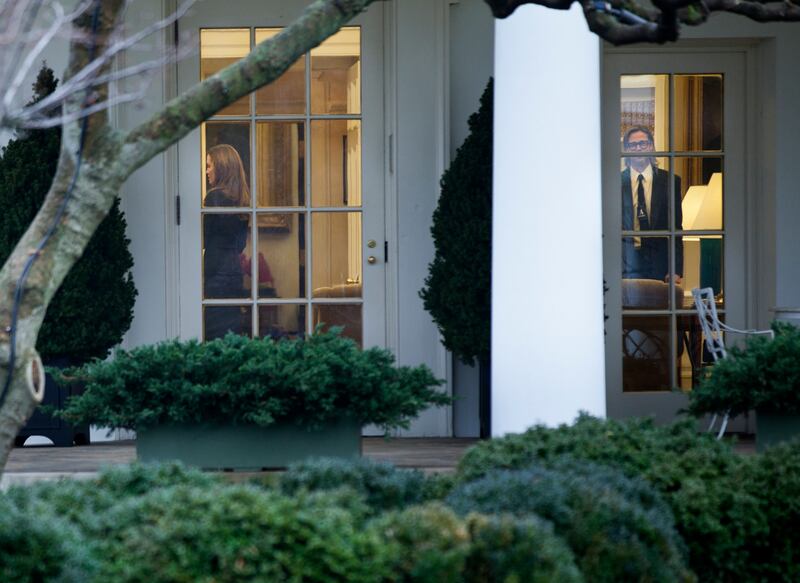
651, 260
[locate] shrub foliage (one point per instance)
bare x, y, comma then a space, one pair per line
457, 289
774, 478
429, 543
230, 533
165, 523
308, 381
38, 545
93, 308
699, 478
506, 548
383, 486
764, 376
618, 528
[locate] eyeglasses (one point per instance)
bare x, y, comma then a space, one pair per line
641, 145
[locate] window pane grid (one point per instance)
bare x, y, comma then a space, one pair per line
256, 115
691, 148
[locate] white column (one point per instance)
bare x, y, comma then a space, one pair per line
548, 359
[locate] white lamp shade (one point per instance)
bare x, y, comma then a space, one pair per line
702, 205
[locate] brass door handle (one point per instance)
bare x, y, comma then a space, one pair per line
372, 260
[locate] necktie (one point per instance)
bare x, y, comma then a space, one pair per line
641, 213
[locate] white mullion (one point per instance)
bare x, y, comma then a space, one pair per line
253, 218
673, 327
307, 201
300, 117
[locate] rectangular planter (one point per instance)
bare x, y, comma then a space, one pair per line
774, 428
246, 447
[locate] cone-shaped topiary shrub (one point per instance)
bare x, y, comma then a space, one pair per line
94, 306
457, 289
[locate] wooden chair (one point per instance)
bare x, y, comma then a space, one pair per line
715, 342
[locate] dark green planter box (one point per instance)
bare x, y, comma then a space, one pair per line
246, 447
774, 428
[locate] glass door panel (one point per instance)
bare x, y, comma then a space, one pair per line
280, 163
336, 163
219, 320
673, 217
336, 258
269, 245
271, 275
646, 353
287, 94
220, 47
281, 268
282, 320
701, 192
336, 74
346, 316
698, 113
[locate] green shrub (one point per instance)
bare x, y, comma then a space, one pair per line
458, 287
228, 533
93, 308
506, 548
383, 486
618, 527
429, 543
698, 477
774, 478
309, 381
36, 545
83, 502
764, 376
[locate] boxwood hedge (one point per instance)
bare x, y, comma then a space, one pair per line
618, 528
701, 479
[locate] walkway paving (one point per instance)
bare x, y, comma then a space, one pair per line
30, 464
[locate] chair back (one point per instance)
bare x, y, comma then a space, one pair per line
709, 321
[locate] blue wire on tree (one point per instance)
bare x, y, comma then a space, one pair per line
18, 291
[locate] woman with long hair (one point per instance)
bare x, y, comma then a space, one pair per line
224, 236
227, 180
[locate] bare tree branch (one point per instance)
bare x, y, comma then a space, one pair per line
33, 55
97, 107
88, 76
630, 21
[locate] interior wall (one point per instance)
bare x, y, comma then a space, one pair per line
471, 46
774, 175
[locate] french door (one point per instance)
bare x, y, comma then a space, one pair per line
281, 193
674, 191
